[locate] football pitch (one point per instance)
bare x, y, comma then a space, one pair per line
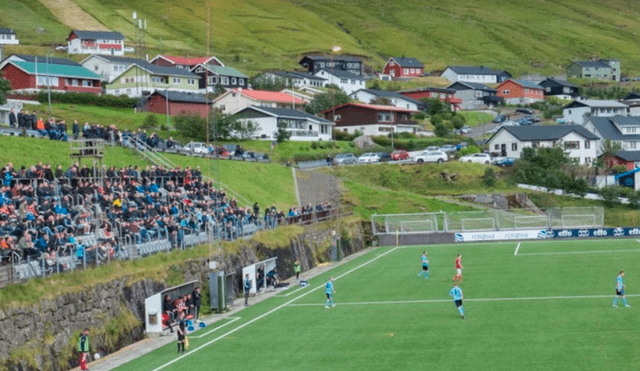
546, 307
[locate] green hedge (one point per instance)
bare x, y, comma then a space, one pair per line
122, 101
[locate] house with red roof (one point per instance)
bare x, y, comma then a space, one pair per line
184, 63
371, 119
444, 94
235, 100
95, 42
520, 92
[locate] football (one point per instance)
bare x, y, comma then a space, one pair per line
96, 356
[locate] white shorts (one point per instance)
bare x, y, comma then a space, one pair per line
459, 271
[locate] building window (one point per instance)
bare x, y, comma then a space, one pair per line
514, 146
406, 71
324, 129
496, 147
224, 80
156, 79
192, 81
353, 81
385, 117
632, 145
241, 82
200, 69
344, 81
337, 118
49, 81
587, 144
572, 145
213, 80
74, 82
535, 144
587, 160
506, 92
392, 63
129, 92
176, 81
234, 81
223, 107
116, 92
86, 83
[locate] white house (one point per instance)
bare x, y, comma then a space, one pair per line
95, 42
396, 99
347, 81
580, 143
577, 111
294, 79
234, 100
8, 37
477, 74
303, 126
108, 66
624, 130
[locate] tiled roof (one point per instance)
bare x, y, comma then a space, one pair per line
98, 35
596, 103
388, 94
7, 31
176, 96
592, 64
608, 130
113, 58
269, 96
408, 62
470, 86
226, 71
558, 82
527, 84
289, 113
296, 75
474, 70
374, 107
55, 70
631, 156
165, 71
548, 132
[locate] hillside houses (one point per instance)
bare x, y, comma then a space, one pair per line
235, 100
602, 69
474, 74
144, 78
403, 68
8, 37
95, 42
577, 111
370, 96
520, 92
34, 76
315, 63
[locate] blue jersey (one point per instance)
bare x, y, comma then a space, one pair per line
424, 260
456, 293
619, 284
329, 287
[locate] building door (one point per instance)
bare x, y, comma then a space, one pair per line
393, 73
503, 150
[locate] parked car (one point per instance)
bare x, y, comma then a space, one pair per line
345, 159
462, 145
525, 121
478, 158
494, 130
197, 147
231, 148
448, 148
431, 156
384, 157
368, 158
504, 161
432, 148
525, 111
399, 154
465, 129
624, 79
499, 119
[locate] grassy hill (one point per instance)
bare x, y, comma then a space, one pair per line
519, 35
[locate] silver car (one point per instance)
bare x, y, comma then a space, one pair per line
346, 159
368, 158
431, 156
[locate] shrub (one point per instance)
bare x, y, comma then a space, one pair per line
420, 116
489, 178
314, 145
458, 121
469, 150
619, 169
151, 121
609, 195
121, 101
442, 130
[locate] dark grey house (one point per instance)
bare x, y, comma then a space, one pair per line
559, 88
475, 96
315, 63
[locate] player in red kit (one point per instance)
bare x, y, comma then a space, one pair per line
458, 275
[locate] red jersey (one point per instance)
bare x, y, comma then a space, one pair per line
458, 265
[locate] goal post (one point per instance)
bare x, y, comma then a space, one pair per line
525, 222
579, 221
421, 226
478, 224
576, 217
407, 223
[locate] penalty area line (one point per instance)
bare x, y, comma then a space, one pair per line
471, 300
575, 252
517, 248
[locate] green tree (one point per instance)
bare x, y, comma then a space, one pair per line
609, 195
5, 87
375, 85
435, 106
270, 84
191, 126
150, 121
489, 178
442, 130
382, 101
458, 121
247, 130
282, 134
324, 101
222, 127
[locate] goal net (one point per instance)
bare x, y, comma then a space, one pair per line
478, 224
407, 223
530, 222
421, 226
576, 217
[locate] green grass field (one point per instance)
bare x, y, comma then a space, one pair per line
547, 308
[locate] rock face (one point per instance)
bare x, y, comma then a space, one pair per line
43, 336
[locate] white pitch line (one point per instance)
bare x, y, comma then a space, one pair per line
576, 252
472, 300
217, 328
517, 248
267, 313
291, 293
638, 240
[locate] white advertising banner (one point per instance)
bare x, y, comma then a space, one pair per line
532, 234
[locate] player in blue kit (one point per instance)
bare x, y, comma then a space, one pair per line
620, 291
330, 291
456, 293
425, 266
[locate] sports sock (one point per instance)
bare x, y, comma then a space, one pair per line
461, 310
615, 300
426, 275
624, 300
178, 347
420, 274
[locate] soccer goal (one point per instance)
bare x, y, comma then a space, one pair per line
478, 224
527, 222
578, 221
420, 226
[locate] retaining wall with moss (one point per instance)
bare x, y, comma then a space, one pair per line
40, 321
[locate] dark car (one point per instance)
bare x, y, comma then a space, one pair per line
499, 119
505, 161
525, 111
384, 157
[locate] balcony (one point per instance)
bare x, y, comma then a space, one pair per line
303, 133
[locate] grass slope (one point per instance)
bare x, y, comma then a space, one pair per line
521, 36
552, 334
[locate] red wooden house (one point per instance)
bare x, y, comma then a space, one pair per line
175, 103
33, 77
403, 68
371, 119
520, 92
629, 159
445, 95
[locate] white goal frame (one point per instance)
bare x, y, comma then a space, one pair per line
422, 222
492, 228
543, 218
576, 217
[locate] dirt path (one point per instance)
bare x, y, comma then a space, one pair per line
67, 12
